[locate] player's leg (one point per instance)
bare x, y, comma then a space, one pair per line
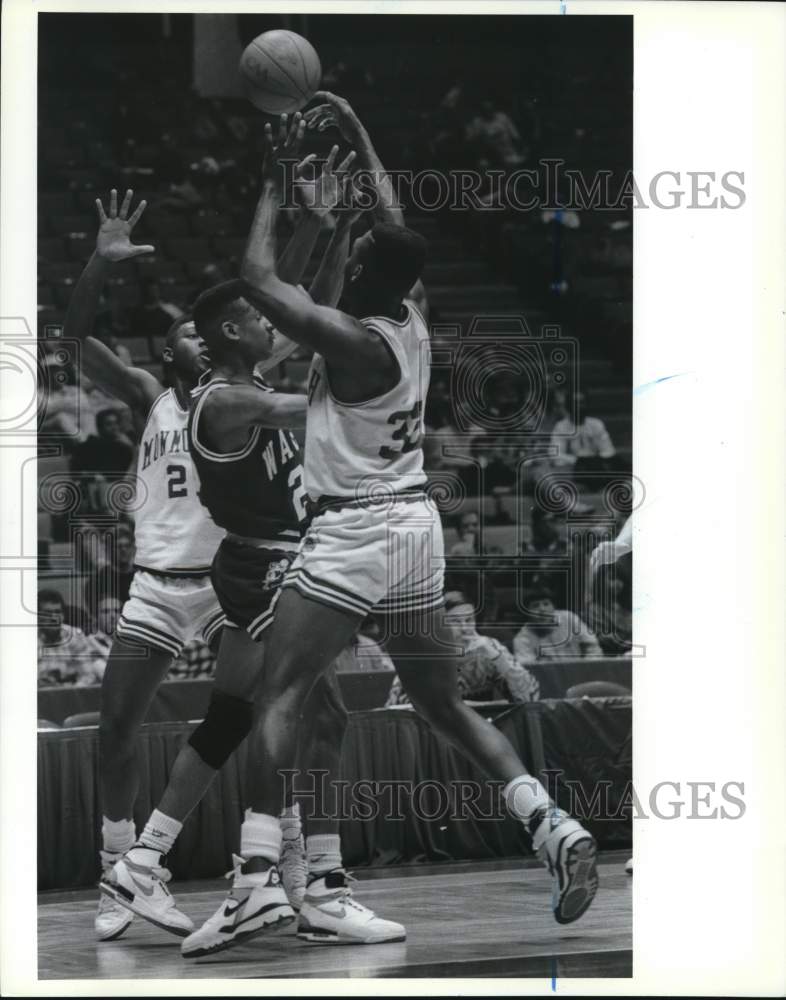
429, 677
133, 675
301, 642
320, 739
138, 880
304, 639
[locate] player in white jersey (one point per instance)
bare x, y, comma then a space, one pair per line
363, 550
171, 598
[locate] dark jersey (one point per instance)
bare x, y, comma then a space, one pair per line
256, 491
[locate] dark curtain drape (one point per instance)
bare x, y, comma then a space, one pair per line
588, 740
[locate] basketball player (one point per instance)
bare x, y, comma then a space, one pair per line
171, 598
251, 481
363, 552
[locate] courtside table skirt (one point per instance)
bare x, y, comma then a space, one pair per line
588, 740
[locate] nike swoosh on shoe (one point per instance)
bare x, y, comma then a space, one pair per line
142, 888
256, 913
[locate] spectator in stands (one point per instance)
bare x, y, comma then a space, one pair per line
548, 553
498, 515
102, 459
108, 452
195, 662
495, 138
498, 459
99, 642
583, 446
63, 654
468, 543
154, 316
547, 534
64, 408
364, 652
487, 670
553, 633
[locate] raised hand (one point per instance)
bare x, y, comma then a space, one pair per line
326, 191
350, 206
334, 111
285, 147
114, 231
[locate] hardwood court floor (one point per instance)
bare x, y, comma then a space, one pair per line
479, 919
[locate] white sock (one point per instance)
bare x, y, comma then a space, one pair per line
323, 853
118, 836
289, 820
260, 837
160, 832
527, 800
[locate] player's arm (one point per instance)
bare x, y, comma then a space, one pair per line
231, 411
293, 260
338, 112
133, 386
328, 282
325, 289
341, 340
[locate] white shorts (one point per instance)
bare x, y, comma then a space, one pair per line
385, 557
167, 611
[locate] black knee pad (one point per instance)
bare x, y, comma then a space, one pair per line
226, 724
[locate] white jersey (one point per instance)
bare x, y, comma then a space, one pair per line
174, 532
359, 448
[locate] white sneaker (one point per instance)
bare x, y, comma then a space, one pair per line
138, 882
294, 870
256, 904
330, 915
111, 919
569, 852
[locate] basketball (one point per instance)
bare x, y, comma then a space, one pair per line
280, 71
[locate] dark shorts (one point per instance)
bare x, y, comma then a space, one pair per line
246, 580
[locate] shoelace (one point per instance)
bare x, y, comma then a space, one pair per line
347, 898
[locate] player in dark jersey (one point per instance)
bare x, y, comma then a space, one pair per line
251, 482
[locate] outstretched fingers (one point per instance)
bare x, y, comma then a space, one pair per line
113, 204
102, 216
126, 203
137, 215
